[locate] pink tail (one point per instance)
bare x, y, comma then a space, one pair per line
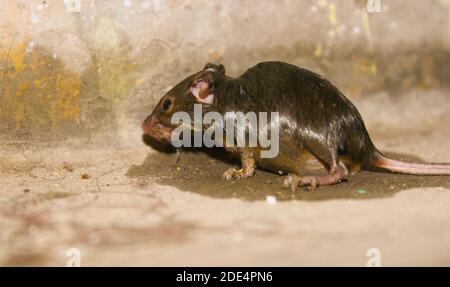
411, 167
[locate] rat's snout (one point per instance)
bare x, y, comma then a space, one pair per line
153, 127
150, 124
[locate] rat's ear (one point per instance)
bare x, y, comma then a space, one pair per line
215, 68
201, 88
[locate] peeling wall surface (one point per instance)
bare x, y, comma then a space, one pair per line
95, 68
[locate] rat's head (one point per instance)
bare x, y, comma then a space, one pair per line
195, 89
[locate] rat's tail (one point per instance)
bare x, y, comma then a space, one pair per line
411, 167
361, 149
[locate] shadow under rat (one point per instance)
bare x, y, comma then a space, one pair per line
200, 171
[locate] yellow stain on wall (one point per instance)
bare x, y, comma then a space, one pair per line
367, 32
332, 14
18, 57
113, 67
37, 91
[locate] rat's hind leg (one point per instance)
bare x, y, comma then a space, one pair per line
337, 171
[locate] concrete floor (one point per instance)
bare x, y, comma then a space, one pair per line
133, 206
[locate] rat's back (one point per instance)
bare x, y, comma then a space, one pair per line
310, 107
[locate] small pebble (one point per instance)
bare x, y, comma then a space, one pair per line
85, 176
270, 199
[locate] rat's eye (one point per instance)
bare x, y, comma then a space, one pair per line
166, 104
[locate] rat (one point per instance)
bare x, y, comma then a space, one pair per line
322, 136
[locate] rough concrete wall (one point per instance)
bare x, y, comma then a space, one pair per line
94, 67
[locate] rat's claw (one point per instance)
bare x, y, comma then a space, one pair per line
292, 181
231, 173
309, 181
234, 173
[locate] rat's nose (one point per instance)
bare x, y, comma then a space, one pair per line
149, 124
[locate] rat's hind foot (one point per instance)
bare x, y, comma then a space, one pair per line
336, 175
293, 180
238, 174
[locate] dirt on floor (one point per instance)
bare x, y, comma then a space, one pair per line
137, 206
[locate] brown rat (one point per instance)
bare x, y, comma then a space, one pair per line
322, 137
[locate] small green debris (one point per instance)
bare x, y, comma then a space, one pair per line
361, 191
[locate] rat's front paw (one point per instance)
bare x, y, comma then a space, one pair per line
237, 174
